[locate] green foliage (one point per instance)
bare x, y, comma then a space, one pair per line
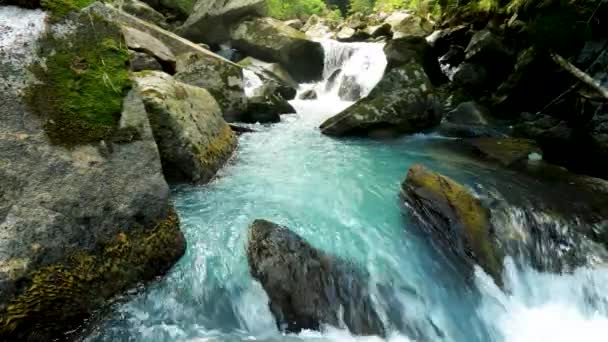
289, 9
83, 83
361, 6
60, 8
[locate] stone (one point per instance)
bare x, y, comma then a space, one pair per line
144, 11
506, 151
454, 217
193, 139
442, 40
224, 80
382, 30
488, 50
272, 71
405, 23
80, 221
401, 51
271, 40
403, 101
471, 76
310, 94
468, 113
266, 109
142, 61
183, 8
211, 20
308, 287
295, 23
144, 42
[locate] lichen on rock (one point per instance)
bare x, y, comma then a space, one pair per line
58, 296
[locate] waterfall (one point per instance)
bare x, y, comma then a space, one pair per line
351, 70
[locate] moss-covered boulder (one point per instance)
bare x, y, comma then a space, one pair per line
405, 50
210, 20
144, 11
193, 139
403, 101
223, 79
454, 217
272, 41
84, 207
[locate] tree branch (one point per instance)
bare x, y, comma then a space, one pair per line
579, 74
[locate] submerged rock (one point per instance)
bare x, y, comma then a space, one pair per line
402, 101
308, 287
273, 41
452, 215
211, 20
193, 139
506, 151
222, 78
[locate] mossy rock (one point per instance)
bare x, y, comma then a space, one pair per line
454, 216
82, 82
58, 297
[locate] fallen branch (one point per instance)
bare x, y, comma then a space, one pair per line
582, 76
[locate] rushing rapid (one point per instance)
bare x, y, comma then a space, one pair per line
343, 197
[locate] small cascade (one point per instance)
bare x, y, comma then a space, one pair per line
252, 83
351, 69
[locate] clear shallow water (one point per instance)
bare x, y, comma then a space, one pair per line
342, 196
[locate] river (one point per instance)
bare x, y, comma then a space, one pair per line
342, 195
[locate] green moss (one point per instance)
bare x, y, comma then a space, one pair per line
469, 214
83, 83
58, 297
216, 152
60, 8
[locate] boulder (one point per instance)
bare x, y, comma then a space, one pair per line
414, 49
222, 79
488, 50
85, 211
402, 101
144, 42
211, 20
405, 23
144, 11
274, 73
472, 77
142, 61
193, 139
310, 94
506, 151
266, 109
454, 217
382, 30
273, 41
442, 40
308, 287
295, 23
468, 120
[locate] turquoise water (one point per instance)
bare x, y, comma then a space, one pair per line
342, 195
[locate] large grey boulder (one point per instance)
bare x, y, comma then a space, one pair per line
193, 139
143, 42
405, 23
211, 20
403, 102
274, 77
272, 41
80, 221
144, 11
308, 287
223, 79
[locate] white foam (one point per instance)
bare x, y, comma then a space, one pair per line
546, 307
